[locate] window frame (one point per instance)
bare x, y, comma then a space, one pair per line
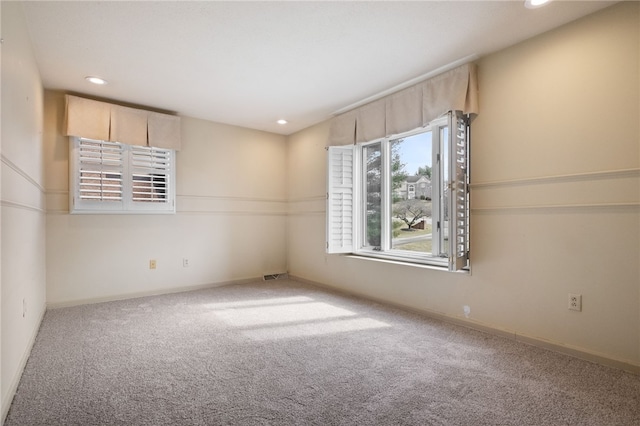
385, 251
449, 175
162, 160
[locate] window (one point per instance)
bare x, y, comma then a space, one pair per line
373, 208
111, 177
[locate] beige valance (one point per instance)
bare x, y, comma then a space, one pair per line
343, 129
128, 125
87, 118
164, 130
409, 109
370, 121
404, 110
104, 121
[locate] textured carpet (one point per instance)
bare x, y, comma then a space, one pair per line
284, 353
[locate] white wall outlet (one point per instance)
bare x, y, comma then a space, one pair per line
152, 264
185, 262
24, 307
467, 310
575, 302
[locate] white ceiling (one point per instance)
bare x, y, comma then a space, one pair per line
251, 63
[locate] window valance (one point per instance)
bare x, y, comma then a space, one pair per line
408, 109
91, 119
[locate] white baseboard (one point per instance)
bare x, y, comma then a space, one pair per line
573, 351
15, 380
159, 292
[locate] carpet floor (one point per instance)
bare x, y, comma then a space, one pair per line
286, 353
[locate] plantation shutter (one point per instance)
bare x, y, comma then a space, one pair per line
100, 171
340, 199
459, 191
150, 176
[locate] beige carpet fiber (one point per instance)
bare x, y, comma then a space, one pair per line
285, 353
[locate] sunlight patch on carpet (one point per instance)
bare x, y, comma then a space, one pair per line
258, 302
279, 314
317, 328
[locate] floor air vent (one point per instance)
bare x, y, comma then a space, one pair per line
271, 277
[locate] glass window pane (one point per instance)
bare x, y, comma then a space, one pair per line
372, 194
411, 166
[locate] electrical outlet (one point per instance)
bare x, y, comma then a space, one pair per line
24, 308
185, 262
575, 302
152, 264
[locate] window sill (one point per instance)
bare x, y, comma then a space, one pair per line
79, 212
442, 268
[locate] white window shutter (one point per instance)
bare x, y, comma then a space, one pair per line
117, 178
151, 178
459, 191
340, 199
99, 175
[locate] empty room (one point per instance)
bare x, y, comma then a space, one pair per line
320, 213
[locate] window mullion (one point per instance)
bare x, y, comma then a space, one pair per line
385, 215
436, 192
361, 237
357, 197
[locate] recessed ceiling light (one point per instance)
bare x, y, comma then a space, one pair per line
96, 80
281, 121
533, 4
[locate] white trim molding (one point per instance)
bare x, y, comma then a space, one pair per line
13, 204
615, 190
575, 177
21, 172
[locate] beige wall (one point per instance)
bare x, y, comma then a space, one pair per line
22, 281
230, 221
555, 158
562, 108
